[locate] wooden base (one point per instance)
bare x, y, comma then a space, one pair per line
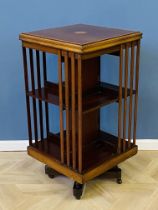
78, 188
102, 147
88, 174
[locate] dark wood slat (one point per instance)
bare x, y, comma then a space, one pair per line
27, 97
45, 80
125, 96
39, 90
67, 106
120, 101
61, 106
80, 154
33, 99
73, 111
136, 88
131, 95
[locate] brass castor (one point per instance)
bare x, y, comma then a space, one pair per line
119, 181
116, 173
78, 190
50, 172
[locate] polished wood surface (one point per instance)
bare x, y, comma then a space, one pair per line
80, 37
62, 146
89, 173
80, 149
120, 100
80, 34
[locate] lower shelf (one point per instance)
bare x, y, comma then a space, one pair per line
86, 175
101, 149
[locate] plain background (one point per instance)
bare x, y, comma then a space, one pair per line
22, 16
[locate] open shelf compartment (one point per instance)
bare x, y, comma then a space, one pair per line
101, 95
103, 148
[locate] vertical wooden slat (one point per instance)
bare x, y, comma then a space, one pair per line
120, 101
45, 79
61, 106
80, 154
131, 94
39, 92
136, 88
125, 96
27, 97
67, 105
73, 111
33, 99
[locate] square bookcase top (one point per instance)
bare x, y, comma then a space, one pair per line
80, 38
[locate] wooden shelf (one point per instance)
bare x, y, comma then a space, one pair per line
103, 148
103, 94
49, 93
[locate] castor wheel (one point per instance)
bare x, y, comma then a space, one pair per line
119, 181
50, 172
78, 190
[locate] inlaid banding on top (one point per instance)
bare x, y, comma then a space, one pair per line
80, 32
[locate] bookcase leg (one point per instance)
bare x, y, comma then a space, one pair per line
116, 173
50, 172
78, 190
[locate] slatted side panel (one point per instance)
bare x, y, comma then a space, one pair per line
35, 74
70, 99
129, 66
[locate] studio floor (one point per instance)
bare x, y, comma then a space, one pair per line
24, 186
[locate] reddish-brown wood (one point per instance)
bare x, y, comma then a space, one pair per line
73, 104
45, 80
39, 90
120, 101
80, 144
33, 99
80, 38
61, 106
80, 149
67, 107
102, 94
125, 96
136, 88
26, 91
131, 95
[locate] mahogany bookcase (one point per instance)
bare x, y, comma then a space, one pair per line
80, 150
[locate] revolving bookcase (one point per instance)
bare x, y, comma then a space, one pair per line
80, 149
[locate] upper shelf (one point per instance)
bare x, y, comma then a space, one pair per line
102, 94
80, 38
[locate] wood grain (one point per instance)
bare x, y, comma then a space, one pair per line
80, 38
